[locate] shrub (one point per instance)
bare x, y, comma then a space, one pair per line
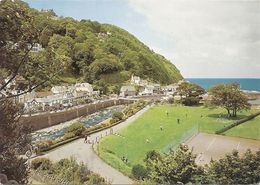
171, 100
139, 171
44, 144
43, 162
69, 135
96, 179
77, 128
117, 116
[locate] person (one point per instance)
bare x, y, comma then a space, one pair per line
167, 113
178, 121
86, 139
161, 127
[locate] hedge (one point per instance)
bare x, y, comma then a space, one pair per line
220, 131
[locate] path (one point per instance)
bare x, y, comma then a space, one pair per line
84, 152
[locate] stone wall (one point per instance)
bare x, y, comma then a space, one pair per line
41, 121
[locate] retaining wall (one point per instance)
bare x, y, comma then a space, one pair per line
47, 119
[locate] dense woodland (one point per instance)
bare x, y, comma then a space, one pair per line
101, 54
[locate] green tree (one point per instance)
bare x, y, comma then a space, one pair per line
14, 140
175, 167
117, 116
235, 169
18, 35
139, 171
190, 93
230, 97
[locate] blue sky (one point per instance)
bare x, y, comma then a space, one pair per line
202, 38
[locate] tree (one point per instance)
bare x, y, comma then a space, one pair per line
139, 171
230, 97
18, 36
14, 140
190, 93
235, 169
175, 167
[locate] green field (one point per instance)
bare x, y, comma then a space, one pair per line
249, 129
132, 142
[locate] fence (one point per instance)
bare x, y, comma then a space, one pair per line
182, 139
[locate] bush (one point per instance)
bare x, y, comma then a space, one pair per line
117, 116
139, 171
69, 135
77, 128
43, 162
171, 100
44, 144
96, 179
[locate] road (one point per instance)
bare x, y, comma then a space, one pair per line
85, 153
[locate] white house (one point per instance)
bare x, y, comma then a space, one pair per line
36, 47
84, 87
26, 97
170, 89
148, 90
127, 91
59, 89
135, 80
49, 101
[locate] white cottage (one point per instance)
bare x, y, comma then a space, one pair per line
148, 90
127, 91
85, 88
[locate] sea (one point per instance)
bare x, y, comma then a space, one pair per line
247, 84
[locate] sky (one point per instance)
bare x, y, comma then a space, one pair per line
202, 38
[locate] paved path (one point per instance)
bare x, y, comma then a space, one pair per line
84, 152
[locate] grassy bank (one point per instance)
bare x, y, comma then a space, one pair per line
249, 129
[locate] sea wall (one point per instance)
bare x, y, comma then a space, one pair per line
48, 119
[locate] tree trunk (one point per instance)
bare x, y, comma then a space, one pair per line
229, 115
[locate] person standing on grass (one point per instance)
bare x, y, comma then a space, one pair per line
178, 121
167, 113
161, 127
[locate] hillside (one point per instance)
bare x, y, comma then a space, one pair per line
102, 54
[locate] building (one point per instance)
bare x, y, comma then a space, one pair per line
26, 97
170, 89
59, 89
127, 91
56, 101
36, 47
85, 88
148, 90
135, 80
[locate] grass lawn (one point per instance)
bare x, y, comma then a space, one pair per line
133, 140
249, 129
